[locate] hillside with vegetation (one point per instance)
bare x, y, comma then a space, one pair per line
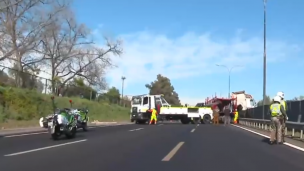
22, 107
45, 37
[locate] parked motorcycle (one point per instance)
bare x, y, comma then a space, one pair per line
82, 118
63, 123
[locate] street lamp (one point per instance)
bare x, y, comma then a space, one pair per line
229, 72
264, 62
122, 86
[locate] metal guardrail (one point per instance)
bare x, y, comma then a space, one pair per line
292, 128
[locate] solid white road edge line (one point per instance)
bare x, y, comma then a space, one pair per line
173, 152
136, 129
288, 144
44, 148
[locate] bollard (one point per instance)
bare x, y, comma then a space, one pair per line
286, 131
293, 132
301, 134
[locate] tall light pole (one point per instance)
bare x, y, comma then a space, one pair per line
229, 72
264, 61
122, 86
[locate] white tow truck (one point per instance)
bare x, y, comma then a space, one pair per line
141, 105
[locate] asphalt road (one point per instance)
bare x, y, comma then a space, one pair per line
168, 147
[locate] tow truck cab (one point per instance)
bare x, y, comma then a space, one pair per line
141, 105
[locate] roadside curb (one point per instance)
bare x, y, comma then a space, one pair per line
19, 131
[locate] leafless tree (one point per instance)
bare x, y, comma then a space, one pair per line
21, 25
93, 64
68, 50
95, 73
6, 4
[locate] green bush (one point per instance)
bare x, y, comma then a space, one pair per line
23, 105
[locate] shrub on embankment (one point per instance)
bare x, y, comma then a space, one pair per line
26, 105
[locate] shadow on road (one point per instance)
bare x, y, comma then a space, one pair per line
265, 140
63, 138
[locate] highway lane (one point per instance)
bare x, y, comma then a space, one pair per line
166, 147
34, 141
237, 150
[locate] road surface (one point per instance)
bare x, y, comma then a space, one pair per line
167, 147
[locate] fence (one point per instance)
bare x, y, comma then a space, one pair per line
292, 130
294, 112
10, 77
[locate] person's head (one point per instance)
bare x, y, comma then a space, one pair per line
276, 99
281, 95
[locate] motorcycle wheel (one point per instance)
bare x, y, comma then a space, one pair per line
71, 134
55, 136
85, 127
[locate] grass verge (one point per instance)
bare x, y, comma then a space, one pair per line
23, 108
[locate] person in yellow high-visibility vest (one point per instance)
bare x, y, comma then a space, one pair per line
153, 116
277, 112
283, 102
236, 117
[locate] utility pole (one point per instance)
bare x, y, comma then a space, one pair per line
264, 61
122, 87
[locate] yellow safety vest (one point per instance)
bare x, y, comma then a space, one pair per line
236, 116
154, 112
275, 110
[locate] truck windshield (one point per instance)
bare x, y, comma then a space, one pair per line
136, 100
163, 100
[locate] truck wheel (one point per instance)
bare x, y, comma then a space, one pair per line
207, 119
185, 121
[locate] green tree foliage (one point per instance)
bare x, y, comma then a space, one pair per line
299, 98
162, 85
268, 101
113, 95
78, 88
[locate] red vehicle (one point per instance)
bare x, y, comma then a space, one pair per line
221, 102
